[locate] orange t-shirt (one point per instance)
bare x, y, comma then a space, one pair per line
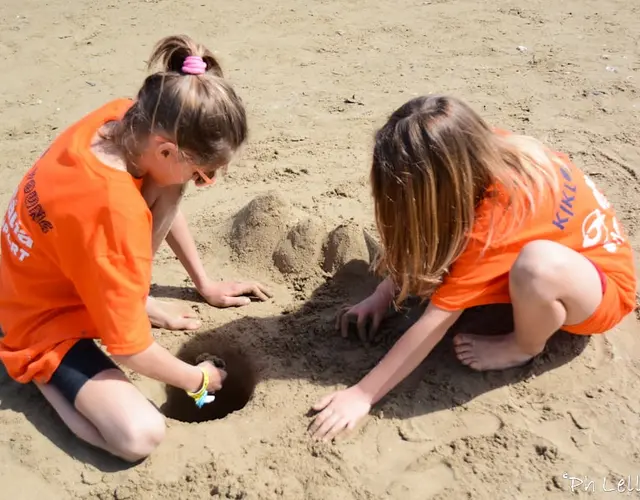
76, 256
581, 219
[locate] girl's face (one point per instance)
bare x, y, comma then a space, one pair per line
164, 163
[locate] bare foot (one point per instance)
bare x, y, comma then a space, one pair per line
483, 353
172, 315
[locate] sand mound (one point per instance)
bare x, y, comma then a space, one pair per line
269, 232
344, 244
298, 252
258, 227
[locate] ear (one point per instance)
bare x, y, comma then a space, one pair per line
165, 150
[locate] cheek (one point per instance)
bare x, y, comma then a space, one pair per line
170, 174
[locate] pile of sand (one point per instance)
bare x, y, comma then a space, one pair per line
268, 233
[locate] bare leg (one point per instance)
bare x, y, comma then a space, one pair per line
550, 286
78, 424
111, 414
163, 203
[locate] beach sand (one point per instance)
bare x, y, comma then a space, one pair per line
295, 212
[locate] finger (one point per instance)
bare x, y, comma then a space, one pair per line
362, 327
344, 323
341, 312
322, 404
319, 421
375, 325
243, 288
228, 301
258, 292
326, 426
337, 429
268, 293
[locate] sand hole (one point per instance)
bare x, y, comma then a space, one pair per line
242, 378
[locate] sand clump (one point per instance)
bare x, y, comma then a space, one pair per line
345, 243
258, 227
217, 361
298, 252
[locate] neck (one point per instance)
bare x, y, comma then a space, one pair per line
108, 149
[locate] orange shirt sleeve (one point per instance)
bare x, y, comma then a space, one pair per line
108, 258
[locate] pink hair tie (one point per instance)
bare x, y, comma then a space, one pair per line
194, 65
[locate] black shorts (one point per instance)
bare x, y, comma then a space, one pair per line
84, 361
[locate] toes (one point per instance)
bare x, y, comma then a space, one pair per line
475, 365
471, 362
192, 324
188, 312
184, 324
466, 357
462, 340
462, 349
179, 309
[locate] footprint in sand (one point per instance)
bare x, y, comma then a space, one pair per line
417, 477
420, 482
445, 426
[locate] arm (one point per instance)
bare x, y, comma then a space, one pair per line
405, 356
159, 364
219, 294
183, 246
343, 409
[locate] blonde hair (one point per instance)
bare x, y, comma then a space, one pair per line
201, 113
434, 162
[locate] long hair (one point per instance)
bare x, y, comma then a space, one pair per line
434, 162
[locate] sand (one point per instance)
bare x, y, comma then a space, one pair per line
295, 213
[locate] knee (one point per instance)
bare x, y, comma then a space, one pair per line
539, 265
139, 438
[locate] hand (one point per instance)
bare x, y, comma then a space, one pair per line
372, 309
339, 411
216, 376
232, 294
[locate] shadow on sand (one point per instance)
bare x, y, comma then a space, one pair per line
303, 344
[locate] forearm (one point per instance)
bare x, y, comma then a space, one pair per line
159, 364
183, 246
405, 356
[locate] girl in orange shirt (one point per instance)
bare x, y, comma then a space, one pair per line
470, 216
77, 244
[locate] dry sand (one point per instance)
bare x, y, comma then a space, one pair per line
318, 78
